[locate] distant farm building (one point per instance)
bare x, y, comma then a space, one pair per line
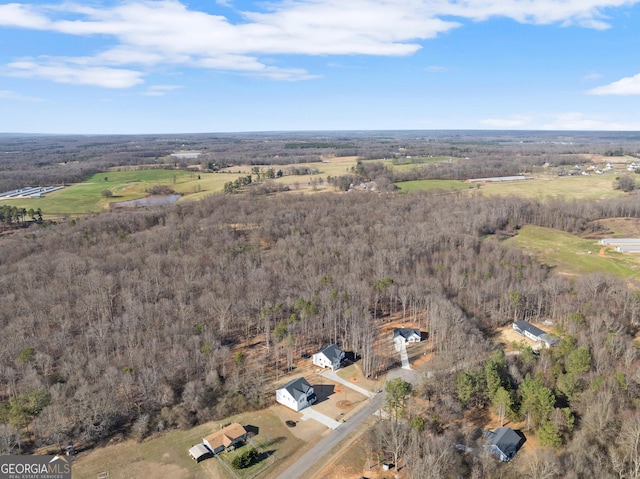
528, 330
29, 192
186, 155
628, 249
623, 245
620, 241
497, 179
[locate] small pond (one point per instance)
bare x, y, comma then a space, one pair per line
148, 201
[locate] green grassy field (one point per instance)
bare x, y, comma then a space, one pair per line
448, 185
86, 197
571, 254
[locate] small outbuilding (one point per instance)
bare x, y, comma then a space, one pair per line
200, 452
503, 443
296, 394
330, 357
406, 335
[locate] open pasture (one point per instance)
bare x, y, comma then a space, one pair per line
571, 254
592, 187
327, 167
86, 197
446, 185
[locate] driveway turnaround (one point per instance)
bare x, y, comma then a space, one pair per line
310, 413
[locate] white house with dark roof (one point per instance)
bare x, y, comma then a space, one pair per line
530, 331
406, 335
503, 443
329, 357
296, 394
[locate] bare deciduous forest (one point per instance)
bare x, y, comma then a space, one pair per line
125, 321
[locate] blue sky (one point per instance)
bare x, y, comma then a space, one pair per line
180, 66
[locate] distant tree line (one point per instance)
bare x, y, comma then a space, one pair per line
52, 160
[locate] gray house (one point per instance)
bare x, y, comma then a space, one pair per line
503, 443
329, 357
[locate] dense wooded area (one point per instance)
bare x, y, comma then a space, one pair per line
125, 321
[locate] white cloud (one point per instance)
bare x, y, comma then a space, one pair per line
160, 90
12, 95
75, 74
22, 16
592, 76
624, 86
436, 69
173, 34
578, 121
586, 13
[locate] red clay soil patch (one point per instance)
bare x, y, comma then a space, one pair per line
344, 404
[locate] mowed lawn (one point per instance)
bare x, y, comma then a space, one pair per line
87, 197
571, 254
166, 455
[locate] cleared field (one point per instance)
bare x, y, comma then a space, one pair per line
86, 197
403, 164
571, 254
166, 455
446, 185
329, 167
567, 187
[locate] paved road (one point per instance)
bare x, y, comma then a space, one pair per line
324, 446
